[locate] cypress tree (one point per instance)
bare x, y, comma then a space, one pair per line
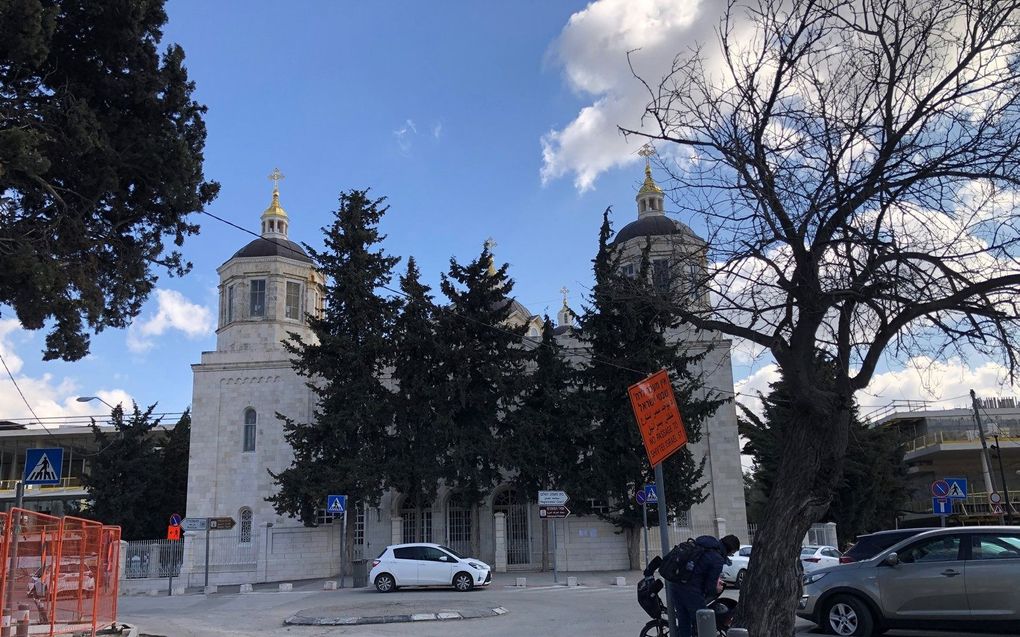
484, 364
625, 328
342, 449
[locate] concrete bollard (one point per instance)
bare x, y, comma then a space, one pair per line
22, 618
178, 590
737, 632
286, 586
620, 581
571, 581
521, 582
210, 589
329, 585
706, 623
246, 588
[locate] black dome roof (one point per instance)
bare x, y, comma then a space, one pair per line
651, 226
273, 248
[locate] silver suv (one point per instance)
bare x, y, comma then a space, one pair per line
944, 579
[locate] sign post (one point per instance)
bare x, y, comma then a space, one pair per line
551, 506
663, 433
337, 505
643, 501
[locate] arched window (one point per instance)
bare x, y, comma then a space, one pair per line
244, 535
644, 205
417, 525
249, 429
458, 524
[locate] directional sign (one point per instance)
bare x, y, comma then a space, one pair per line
658, 417
640, 497
552, 498
222, 524
942, 506
175, 520
42, 466
553, 512
651, 496
336, 504
195, 524
957, 488
940, 489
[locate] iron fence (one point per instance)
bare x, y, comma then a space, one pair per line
153, 558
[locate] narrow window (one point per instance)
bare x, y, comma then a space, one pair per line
258, 298
230, 304
660, 275
249, 429
293, 310
244, 535
359, 525
644, 205
627, 270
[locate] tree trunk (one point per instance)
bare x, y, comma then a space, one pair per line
814, 445
634, 547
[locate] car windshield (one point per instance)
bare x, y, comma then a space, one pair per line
452, 552
808, 550
745, 552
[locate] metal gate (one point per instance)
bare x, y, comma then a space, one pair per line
518, 547
458, 525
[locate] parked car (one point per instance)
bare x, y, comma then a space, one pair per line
814, 557
871, 544
954, 579
72, 578
736, 570
427, 565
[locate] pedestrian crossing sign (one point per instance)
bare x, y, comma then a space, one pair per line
957, 488
336, 504
42, 466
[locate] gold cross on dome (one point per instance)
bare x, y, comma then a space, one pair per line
564, 291
490, 243
646, 151
276, 176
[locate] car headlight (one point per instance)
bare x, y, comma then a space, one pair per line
813, 577
477, 566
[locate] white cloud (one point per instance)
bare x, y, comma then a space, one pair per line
437, 130
174, 312
404, 136
592, 49
47, 396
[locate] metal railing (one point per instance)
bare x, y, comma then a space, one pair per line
974, 504
153, 558
966, 436
65, 483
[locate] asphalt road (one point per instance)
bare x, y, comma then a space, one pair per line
593, 610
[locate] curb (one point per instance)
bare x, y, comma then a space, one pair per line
299, 620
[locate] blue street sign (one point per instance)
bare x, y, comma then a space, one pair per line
640, 496
336, 504
650, 496
42, 466
175, 520
940, 489
942, 506
957, 488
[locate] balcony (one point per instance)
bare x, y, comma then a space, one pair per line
68, 488
969, 439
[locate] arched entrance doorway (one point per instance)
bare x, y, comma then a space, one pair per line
458, 525
513, 504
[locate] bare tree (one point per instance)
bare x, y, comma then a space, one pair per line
856, 163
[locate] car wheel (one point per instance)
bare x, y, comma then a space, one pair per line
848, 616
463, 582
740, 578
384, 583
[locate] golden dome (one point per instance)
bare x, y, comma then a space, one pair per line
649, 187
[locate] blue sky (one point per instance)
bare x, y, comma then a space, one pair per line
474, 119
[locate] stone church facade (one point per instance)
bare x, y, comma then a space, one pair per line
266, 288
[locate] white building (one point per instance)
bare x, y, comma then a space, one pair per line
266, 288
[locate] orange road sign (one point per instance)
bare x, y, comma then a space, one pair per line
173, 532
658, 417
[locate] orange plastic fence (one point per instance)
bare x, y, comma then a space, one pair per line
60, 572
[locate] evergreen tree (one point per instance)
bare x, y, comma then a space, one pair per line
419, 437
873, 485
126, 482
100, 164
342, 450
174, 456
625, 329
484, 364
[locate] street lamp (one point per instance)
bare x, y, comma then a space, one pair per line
85, 399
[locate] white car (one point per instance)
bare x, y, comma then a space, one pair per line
734, 572
814, 557
427, 565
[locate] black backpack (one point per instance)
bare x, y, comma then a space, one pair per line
678, 565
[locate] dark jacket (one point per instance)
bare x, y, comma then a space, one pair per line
708, 568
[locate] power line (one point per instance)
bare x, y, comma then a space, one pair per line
22, 394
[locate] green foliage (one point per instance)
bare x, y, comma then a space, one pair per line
484, 368
342, 450
539, 439
873, 485
138, 476
625, 330
100, 164
419, 437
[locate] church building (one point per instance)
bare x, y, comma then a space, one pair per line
266, 289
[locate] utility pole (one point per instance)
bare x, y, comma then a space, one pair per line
985, 461
1002, 474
